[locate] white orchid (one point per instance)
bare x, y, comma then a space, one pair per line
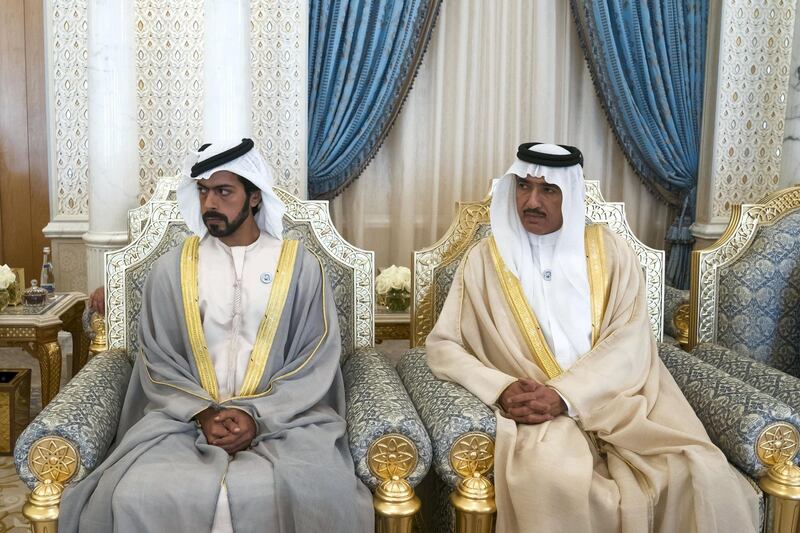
393, 277
7, 277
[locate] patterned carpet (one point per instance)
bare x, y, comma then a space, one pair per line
12, 491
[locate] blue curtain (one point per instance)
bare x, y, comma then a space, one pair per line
362, 58
647, 60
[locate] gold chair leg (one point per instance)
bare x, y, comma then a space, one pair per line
473, 500
782, 483
395, 506
391, 458
53, 460
472, 456
41, 509
777, 446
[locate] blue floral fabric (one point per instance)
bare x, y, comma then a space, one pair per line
448, 410
758, 304
777, 384
733, 412
378, 405
85, 413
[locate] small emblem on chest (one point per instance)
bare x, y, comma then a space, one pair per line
266, 278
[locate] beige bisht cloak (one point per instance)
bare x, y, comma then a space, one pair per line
635, 458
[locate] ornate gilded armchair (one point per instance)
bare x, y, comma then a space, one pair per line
70, 437
745, 321
462, 428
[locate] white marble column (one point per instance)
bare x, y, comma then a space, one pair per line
748, 61
226, 73
113, 153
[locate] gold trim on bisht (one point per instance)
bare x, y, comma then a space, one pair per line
191, 309
272, 317
596, 269
524, 316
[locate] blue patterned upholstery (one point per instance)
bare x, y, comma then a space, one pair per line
768, 380
85, 413
759, 298
448, 410
733, 412
377, 405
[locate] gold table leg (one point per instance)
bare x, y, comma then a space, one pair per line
80, 345
49, 356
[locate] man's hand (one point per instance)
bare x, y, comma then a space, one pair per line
529, 402
240, 429
212, 428
97, 301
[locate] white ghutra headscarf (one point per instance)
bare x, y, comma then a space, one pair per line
551, 268
250, 165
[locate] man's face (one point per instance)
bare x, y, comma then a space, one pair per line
539, 205
224, 203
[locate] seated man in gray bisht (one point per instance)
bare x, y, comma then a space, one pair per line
547, 323
234, 416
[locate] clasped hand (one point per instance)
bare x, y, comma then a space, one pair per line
529, 402
231, 429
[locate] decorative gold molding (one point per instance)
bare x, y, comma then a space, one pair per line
472, 456
391, 458
745, 221
778, 443
53, 461
455, 241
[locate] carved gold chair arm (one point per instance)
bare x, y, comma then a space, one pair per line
54, 461
776, 448
472, 456
391, 459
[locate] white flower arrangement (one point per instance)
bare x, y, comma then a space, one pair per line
393, 277
7, 277
393, 287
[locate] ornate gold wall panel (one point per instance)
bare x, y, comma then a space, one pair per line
169, 68
69, 100
278, 51
755, 55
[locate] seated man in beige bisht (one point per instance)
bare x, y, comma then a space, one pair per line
546, 323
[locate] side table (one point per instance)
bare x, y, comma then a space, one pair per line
391, 325
36, 330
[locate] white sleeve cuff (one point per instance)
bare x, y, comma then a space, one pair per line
570, 411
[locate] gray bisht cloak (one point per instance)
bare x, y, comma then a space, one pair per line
163, 476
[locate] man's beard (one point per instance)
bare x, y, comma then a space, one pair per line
228, 228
